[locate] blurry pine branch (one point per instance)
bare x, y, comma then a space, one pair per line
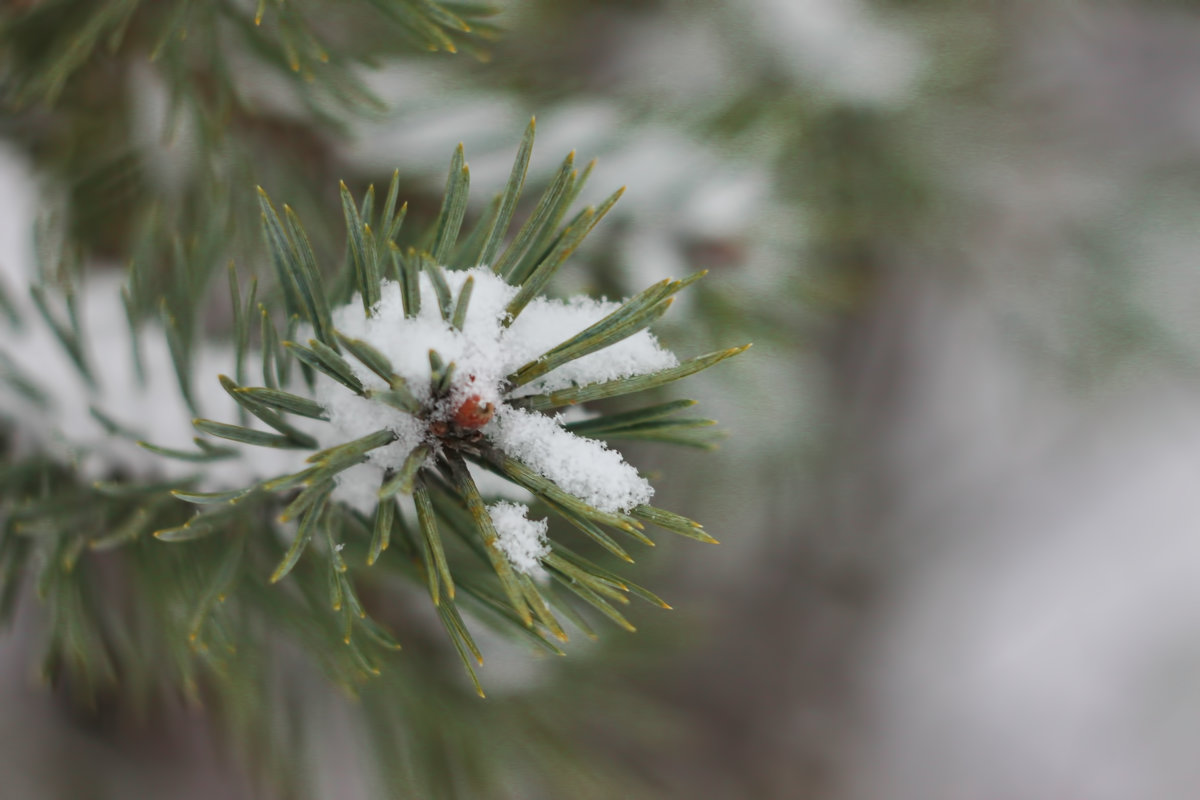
49, 42
150, 117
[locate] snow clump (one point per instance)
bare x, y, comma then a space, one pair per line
484, 353
522, 540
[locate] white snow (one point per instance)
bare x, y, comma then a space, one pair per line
477, 350
484, 352
583, 467
546, 323
522, 540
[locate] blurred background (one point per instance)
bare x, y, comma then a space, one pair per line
958, 498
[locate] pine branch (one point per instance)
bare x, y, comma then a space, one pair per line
440, 415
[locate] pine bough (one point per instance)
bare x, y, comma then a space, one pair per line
410, 388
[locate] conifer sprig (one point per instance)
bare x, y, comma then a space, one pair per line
427, 498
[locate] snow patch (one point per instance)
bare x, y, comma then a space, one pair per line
484, 352
522, 540
546, 323
582, 467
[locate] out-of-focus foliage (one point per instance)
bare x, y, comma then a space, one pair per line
150, 118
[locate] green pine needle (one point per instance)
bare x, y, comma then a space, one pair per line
304, 533
622, 386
